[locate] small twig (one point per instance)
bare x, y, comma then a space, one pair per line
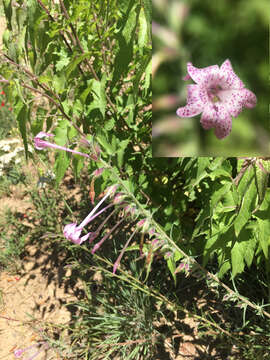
59, 106
45, 88
10, 319
61, 32
129, 342
83, 52
100, 38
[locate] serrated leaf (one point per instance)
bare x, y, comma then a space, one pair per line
220, 189
106, 145
63, 62
109, 125
74, 62
59, 83
129, 185
147, 4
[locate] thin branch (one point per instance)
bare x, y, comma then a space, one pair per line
61, 32
83, 52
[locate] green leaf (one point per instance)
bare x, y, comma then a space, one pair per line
59, 83
109, 125
125, 38
86, 91
147, 4
172, 267
247, 206
224, 268
120, 152
249, 245
61, 165
102, 139
202, 164
98, 89
74, 62
141, 70
6, 38
8, 12
143, 38
61, 137
237, 258
263, 222
220, 190
261, 179
78, 164
129, 185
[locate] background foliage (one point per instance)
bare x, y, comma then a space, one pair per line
84, 73
207, 33
87, 64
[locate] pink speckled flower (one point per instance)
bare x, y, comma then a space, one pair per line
218, 94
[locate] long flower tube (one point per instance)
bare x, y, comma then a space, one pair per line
42, 144
98, 245
96, 232
73, 232
116, 264
44, 345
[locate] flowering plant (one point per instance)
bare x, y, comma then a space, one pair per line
218, 94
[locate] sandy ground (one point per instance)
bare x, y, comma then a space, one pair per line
28, 303
34, 298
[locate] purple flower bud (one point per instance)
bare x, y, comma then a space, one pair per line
119, 198
98, 172
18, 353
84, 141
130, 210
141, 222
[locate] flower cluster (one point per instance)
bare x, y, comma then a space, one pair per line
73, 232
218, 94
